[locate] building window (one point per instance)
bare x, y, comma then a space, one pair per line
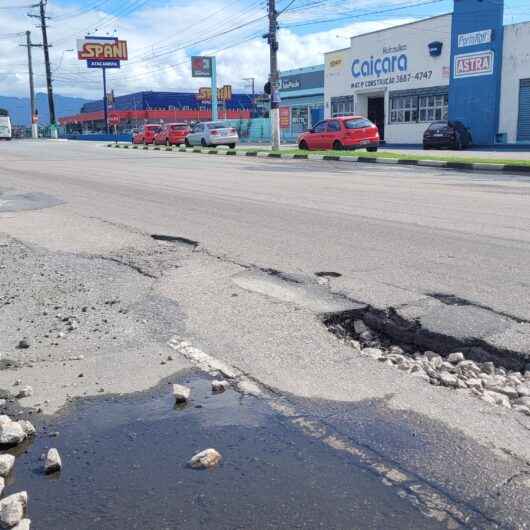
299, 119
433, 108
404, 109
341, 106
418, 109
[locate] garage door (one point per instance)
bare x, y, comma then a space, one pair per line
523, 125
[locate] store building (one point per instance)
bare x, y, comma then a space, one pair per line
302, 99
462, 66
156, 107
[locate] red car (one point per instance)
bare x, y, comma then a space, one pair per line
172, 134
346, 132
146, 135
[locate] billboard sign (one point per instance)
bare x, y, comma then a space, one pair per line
102, 52
201, 66
223, 94
473, 64
475, 38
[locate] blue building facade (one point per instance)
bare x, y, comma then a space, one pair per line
302, 95
167, 101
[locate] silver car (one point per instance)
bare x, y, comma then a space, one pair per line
212, 133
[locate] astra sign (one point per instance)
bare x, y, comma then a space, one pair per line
473, 64
379, 66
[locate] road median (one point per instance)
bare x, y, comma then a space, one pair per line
386, 157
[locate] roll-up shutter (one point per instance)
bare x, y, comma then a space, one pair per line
523, 125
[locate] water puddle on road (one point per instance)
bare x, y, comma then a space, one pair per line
125, 458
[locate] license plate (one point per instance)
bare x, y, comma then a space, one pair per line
223, 133
362, 142
438, 135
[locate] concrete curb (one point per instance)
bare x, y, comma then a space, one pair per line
479, 166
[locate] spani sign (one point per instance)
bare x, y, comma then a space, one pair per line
102, 49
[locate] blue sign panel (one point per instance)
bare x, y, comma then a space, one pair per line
476, 63
95, 63
302, 81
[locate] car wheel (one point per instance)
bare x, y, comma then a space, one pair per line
337, 146
372, 149
303, 145
231, 146
203, 142
426, 147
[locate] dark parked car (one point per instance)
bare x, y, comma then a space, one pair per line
446, 135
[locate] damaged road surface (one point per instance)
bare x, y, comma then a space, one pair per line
369, 328
126, 467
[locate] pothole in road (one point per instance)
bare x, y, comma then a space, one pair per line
175, 239
328, 274
493, 384
124, 466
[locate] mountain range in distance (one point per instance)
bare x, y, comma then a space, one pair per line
19, 108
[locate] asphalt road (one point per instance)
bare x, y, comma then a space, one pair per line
400, 237
394, 233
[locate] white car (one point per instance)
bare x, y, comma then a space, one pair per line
212, 133
5, 126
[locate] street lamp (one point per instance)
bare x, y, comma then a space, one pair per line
61, 59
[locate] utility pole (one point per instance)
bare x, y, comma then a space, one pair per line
274, 76
29, 45
42, 15
215, 114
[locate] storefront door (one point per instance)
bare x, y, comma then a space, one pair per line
376, 114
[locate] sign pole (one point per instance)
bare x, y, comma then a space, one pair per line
116, 134
214, 90
105, 103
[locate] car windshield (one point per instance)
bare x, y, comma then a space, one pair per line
217, 125
153, 128
438, 125
357, 123
179, 127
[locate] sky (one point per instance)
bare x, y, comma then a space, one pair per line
163, 35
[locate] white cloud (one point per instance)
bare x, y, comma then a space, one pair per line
159, 56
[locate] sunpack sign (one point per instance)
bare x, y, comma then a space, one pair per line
311, 80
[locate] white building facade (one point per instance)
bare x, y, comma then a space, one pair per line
453, 66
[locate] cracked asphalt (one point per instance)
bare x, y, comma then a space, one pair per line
397, 237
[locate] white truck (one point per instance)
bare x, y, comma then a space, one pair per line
5, 125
